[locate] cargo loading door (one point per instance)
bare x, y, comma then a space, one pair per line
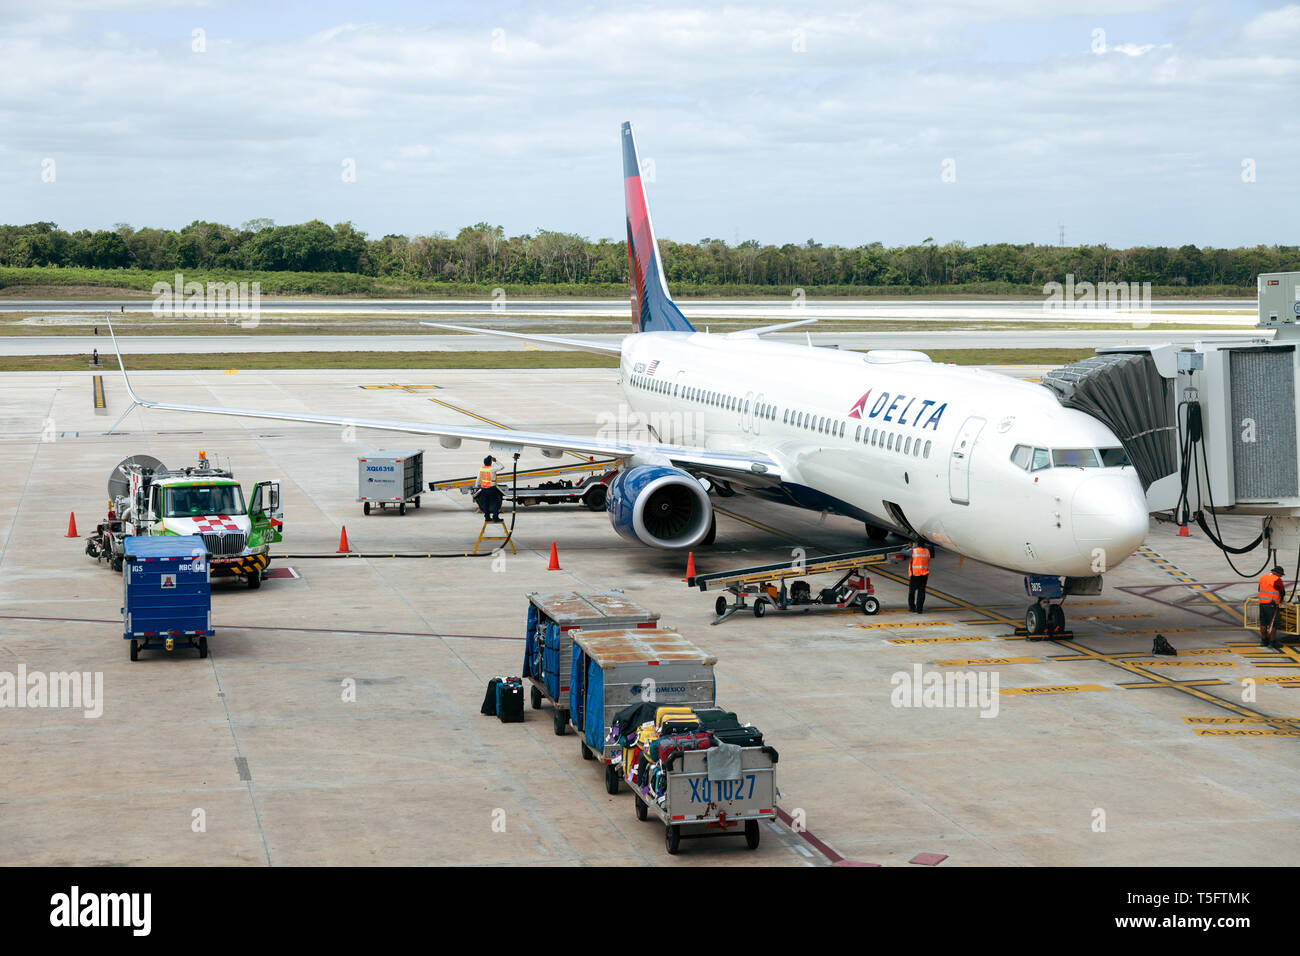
959, 460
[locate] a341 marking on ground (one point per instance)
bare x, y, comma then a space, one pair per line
1241, 720
1246, 732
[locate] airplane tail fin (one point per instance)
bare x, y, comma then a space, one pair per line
652, 307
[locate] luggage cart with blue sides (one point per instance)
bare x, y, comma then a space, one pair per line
612, 669
553, 617
166, 596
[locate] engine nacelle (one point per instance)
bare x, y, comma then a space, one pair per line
660, 506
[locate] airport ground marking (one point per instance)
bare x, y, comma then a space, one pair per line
928, 640
1050, 689
986, 661
1241, 720
890, 626
412, 389
1248, 732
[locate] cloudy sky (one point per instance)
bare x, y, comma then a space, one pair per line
1128, 121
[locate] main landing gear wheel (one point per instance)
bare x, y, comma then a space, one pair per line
1035, 620
536, 699
870, 605
1056, 618
713, 532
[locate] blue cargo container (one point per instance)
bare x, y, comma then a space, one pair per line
166, 598
615, 668
553, 618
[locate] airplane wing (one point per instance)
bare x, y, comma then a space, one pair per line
755, 469
581, 344
765, 329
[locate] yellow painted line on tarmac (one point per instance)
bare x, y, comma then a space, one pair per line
1154, 630
986, 661
1051, 689
926, 640
1246, 732
1178, 685
1241, 720
1188, 663
1285, 680
99, 392
1118, 617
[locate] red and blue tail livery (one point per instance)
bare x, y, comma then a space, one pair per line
652, 307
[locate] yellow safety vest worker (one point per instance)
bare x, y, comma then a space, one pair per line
1270, 589
486, 477
920, 561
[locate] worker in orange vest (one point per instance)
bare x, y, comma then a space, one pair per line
489, 495
1271, 590
918, 576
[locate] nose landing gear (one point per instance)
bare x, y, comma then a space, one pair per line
1045, 617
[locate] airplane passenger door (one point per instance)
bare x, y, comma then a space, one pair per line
959, 461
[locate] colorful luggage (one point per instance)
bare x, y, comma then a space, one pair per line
664, 712
712, 715
740, 736
510, 700
676, 725
665, 747
490, 698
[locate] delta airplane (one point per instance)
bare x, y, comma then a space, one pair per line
981, 464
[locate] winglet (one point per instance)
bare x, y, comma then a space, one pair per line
135, 399
652, 307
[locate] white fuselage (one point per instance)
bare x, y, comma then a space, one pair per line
900, 442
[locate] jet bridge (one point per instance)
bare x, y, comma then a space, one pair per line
1211, 428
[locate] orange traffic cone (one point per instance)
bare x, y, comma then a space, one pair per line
555, 559
690, 566
1182, 531
72, 526
343, 541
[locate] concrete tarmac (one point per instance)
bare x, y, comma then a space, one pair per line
263, 745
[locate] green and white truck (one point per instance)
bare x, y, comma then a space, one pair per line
146, 498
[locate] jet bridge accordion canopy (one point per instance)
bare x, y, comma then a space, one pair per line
1126, 393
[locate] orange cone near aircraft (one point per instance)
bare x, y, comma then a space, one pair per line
343, 541
72, 526
555, 559
690, 566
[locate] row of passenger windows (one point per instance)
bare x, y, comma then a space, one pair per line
876, 437
1036, 459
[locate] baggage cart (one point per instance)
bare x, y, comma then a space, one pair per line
615, 668
553, 616
166, 595
390, 478
694, 807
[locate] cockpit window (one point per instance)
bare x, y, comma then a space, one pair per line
1114, 458
1020, 456
1074, 458
1042, 459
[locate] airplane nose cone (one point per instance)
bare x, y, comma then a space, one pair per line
1109, 513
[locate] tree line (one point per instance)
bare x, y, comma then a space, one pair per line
482, 254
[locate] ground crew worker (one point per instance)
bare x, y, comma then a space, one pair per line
1271, 590
918, 576
489, 495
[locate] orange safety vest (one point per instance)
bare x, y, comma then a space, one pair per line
1271, 589
486, 477
920, 561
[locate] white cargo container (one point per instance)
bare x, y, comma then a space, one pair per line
390, 478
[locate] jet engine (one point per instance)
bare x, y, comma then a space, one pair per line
659, 506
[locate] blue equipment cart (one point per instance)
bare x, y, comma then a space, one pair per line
166, 597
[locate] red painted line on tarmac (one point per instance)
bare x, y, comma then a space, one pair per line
834, 858
259, 627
